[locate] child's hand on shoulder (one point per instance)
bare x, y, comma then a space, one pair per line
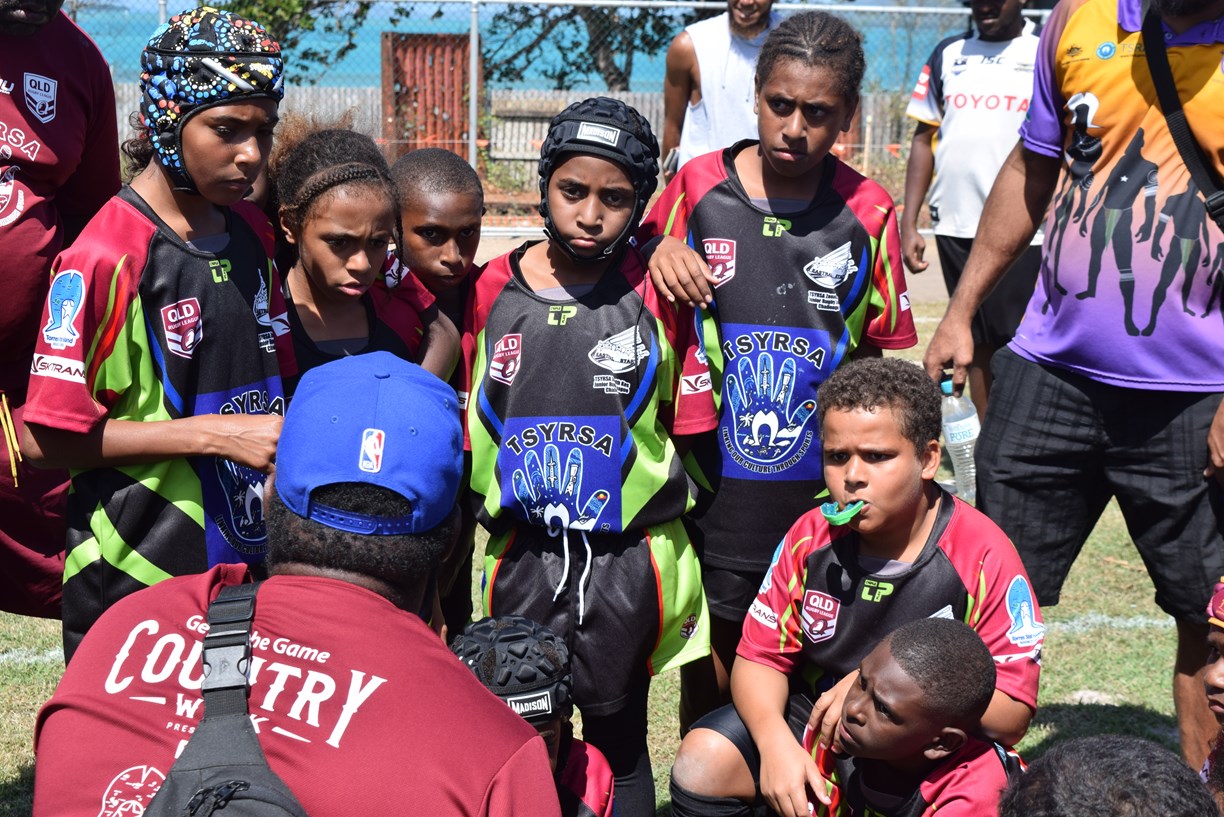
789, 778
826, 714
679, 272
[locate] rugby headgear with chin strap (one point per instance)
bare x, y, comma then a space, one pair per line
612, 130
201, 58
522, 662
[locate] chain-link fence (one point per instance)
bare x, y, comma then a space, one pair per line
405, 69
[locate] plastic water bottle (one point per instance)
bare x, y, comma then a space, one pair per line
960, 431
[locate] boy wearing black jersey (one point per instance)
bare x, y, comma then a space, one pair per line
891, 549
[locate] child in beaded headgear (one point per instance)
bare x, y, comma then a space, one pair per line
158, 382
583, 382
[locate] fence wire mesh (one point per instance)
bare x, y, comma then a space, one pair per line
404, 70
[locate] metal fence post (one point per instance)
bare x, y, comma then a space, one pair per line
473, 85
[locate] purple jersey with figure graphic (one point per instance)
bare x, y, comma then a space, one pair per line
1130, 290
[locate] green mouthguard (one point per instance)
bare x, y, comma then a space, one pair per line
830, 512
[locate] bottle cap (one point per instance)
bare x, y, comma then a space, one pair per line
945, 385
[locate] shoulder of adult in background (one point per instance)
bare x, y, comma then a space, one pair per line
67, 44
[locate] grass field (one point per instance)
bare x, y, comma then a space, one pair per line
1106, 668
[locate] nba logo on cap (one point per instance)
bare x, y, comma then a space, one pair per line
370, 460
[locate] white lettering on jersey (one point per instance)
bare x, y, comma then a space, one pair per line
323, 701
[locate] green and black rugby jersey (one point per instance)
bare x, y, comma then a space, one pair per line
140, 326
573, 404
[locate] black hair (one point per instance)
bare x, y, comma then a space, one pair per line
137, 150
950, 664
403, 561
433, 171
1215, 769
816, 38
885, 382
1108, 776
306, 170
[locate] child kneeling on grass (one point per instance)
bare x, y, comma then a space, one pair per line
909, 551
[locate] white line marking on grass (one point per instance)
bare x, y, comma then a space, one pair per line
28, 656
1097, 621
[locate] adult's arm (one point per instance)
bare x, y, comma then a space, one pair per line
788, 773
678, 88
1215, 437
1013, 212
247, 439
917, 182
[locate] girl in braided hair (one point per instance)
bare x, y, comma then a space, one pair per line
339, 213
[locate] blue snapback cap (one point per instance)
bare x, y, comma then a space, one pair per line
375, 419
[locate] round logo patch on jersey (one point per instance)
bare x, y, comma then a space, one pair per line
1106, 50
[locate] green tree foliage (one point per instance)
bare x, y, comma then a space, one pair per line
332, 28
599, 42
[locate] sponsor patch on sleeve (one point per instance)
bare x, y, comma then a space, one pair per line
763, 614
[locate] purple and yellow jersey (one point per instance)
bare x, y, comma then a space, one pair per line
795, 294
573, 403
1130, 287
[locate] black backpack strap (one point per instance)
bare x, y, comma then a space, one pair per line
227, 650
1205, 178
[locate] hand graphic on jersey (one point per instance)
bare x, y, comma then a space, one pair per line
765, 426
550, 497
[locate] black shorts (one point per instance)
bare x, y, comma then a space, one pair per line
641, 609
996, 320
730, 592
726, 722
1056, 446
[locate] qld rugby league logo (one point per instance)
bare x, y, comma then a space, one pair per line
183, 326
819, 618
40, 96
506, 358
720, 255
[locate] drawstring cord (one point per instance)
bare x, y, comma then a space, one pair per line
566, 566
10, 436
586, 571
565, 569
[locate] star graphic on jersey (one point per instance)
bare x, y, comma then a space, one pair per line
832, 269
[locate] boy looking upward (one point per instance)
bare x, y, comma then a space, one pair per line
905, 746
910, 551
